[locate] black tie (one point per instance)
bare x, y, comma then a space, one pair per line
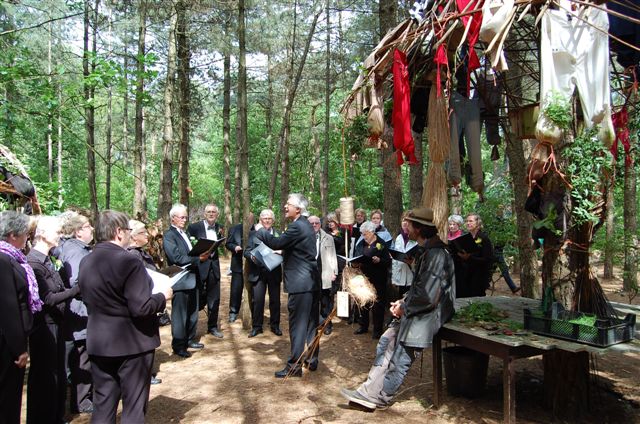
211, 227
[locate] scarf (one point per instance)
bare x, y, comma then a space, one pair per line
35, 304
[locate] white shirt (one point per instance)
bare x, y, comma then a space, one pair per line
211, 234
184, 236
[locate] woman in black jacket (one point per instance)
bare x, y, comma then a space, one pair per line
375, 266
47, 384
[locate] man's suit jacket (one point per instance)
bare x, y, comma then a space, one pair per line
116, 288
177, 252
256, 271
15, 316
198, 230
298, 244
235, 239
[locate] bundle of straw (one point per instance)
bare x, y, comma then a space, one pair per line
438, 127
358, 286
435, 197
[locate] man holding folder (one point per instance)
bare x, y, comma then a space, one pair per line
184, 305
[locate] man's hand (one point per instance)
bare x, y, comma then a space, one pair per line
333, 277
21, 362
204, 256
237, 249
464, 255
396, 308
168, 293
375, 259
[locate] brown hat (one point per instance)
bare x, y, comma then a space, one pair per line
422, 216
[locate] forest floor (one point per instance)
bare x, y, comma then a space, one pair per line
231, 381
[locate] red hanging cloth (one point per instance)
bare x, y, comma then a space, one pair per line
620, 121
402, 137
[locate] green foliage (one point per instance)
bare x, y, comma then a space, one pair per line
549, 221
480, 311
589, 163
558, 110
355, 134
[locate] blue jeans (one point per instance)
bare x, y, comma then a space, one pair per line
389, 368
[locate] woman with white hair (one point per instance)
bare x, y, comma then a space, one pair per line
455, 227
19, 300
47, 384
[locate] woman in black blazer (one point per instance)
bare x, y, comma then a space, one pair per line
18, 301
47, 383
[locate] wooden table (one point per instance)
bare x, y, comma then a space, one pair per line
509, 348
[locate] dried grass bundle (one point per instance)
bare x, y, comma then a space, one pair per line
435, 196
358, 286
438, 127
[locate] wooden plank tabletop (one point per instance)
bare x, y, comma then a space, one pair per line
514, 306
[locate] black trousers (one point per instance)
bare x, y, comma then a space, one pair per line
47, 381
11, 380
235, 292
126, 377
327, 297
304, 314
213, 299
259, 290
184, 318
80, 373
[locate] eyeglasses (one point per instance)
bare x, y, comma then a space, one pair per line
315, 223
208, 212
180, 217
86, 226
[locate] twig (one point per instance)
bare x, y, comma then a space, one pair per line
11, 31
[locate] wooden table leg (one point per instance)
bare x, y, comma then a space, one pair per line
509, 391
436, 355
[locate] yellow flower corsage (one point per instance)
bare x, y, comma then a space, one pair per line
378, 246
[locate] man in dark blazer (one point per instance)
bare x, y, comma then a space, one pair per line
184, 305
209, 269
122, 328
298, 245
263, 280
234, 245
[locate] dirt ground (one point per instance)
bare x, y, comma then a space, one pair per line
231, 381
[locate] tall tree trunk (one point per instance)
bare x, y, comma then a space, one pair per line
416, 172
184, 68
226, 125
391, 177
324, 175
90, 108
609, 250
243, 147
630, 274
140, 156
282, 149
49, 113
109, 129
316, 168
166, 170
60, 199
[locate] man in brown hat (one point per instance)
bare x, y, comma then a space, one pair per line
418, 316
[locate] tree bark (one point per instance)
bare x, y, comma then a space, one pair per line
109, 129
90, 108
391, 177
609, 250
630, 275
184, 68
243, 147
416, 172
166, 168
566, 383
324, 175
49, 113
226, 125
140, 156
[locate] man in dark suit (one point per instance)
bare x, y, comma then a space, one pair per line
298, 244
234, 245
209, 269
122, 329
184, 305
262, 279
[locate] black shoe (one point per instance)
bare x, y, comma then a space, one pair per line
182, 353
276, 330
255, 332
233, 317
376, 335
155, 380
360, 330
328, 330
195, 345
516, 290
216, 333
311, 366
287, 372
